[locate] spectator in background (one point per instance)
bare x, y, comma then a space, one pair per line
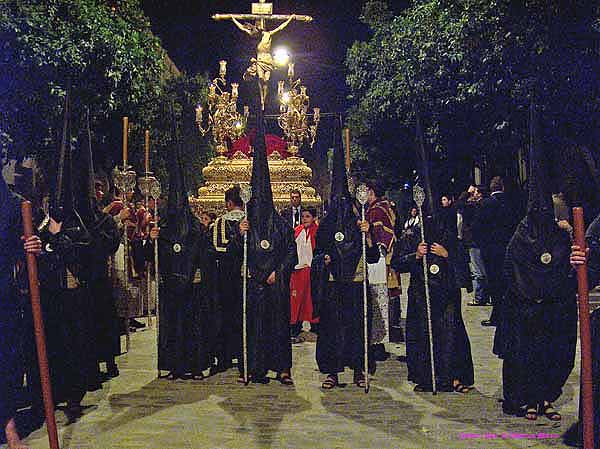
413, 219
497, 225
471, 233
293, 213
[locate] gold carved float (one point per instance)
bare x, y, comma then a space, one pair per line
222, 172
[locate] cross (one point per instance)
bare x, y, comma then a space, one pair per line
261, 12
262, 65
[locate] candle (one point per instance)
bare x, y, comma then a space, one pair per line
222, 68
198, 114
317, 115
246, 111
234, 89
291, 70
125, 135
280, 88
147, 151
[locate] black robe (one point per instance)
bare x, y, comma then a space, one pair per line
184, 323
105, 242
11, 332
268, 306
226, 305
338, 296
68, 313
536, 334
451, 346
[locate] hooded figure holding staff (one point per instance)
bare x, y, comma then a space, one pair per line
12, 277
65, 267
337, 275
537, 331
445, 332
271, 260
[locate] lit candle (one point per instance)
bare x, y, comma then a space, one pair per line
125, 136
317, 115
199, 114
234, 89
280, 88
147, 151
222, 68
291, 70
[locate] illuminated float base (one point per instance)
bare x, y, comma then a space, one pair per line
223, 172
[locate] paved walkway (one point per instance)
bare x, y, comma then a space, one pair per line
136, 410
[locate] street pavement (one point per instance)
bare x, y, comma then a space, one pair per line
137, 410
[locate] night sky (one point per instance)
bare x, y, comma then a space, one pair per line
196, 43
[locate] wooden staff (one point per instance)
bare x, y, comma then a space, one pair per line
38, 326
585, 335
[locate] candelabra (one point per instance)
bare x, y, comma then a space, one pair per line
293, 118
223, 117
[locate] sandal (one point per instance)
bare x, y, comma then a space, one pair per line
330, 382
422, 388
531, 413
359, 381
460, 388
549, 412
285, 379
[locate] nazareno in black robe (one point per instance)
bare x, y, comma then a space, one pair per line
451, 346
68, 313
105, 239
268, 306
184, 324
339, 291
536, 333
11, 331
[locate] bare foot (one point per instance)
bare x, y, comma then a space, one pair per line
12, 436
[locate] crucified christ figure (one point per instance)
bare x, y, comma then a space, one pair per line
262, 65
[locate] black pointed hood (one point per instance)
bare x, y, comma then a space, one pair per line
86, 192
539, 202
339, 177
430, 205
179, 214
539, 250
62, 198
261, 212
338, 235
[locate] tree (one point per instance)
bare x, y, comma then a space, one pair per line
107, 53
470, 69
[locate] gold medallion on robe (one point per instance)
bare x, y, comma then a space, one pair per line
339, 236
177, 248
434, 269
264, 244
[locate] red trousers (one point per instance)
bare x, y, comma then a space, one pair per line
300, 299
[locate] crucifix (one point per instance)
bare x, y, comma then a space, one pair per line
262, 65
